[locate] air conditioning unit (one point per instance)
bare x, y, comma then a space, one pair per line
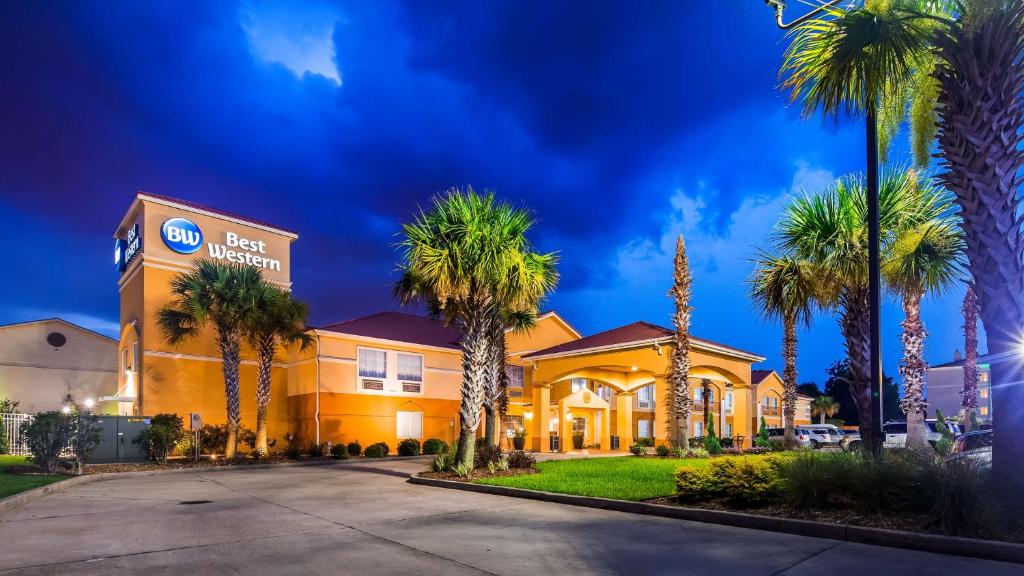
411, 387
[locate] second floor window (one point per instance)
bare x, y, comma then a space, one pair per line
645, 397
579, 384
372, 363
515, 376
410, 367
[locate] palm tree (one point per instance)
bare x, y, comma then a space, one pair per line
469, 258
222, 296
969, 391
824, 407
981, 120
705, 397
924, 258
786, 288
278, 319
679, 375
829, 230
496, 383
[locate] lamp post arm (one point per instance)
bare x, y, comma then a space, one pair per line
780, 6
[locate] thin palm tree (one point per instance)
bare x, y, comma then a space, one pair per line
222, 296
969, 390
824, 407
680, 402
829, 230
496, 383
924, 258
981, 122
786, 288
278, 320
705, 397
469, 258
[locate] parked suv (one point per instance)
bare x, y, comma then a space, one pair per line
822, 434
974, 446
896, 432
779, 435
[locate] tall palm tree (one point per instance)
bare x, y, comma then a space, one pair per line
786, 288
824, 407
278, 319
680, 402
924, 258
981, 122
469, 258
829, 230
222, 296
496, 382
705, 396
969, 391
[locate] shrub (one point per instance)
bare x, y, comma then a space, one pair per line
378, 450
678, 452
315, 450
725, 442
757, 450
776, 445
442, 461
762, 439
213, 439
730, 451
85, 437
355, 448
48, 435
5, 446
434, 446
645, 442
662, 450
485, 454
693, 484
712, 445
946, 441
815, 479
521, 460
637, 449
696, 442
500, 465
248, 437
163, 434
292, 450
697, 453
960, 503
745, 481
409, 447
339, 452
462, 469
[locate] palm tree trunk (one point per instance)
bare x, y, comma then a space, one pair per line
913, 368
855, 326
969, 391
981, 120
821, 418
476, 360
789, 381
265, 355
705, 385
230, 351
680, 403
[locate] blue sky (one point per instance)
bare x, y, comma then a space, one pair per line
620, 125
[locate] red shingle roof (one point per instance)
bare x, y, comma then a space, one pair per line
757, 376
402, 328
635, 332
206, 208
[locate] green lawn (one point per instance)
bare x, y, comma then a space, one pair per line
624, 478
12, 484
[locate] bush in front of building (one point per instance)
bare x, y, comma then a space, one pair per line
485, 455
247, 436
5, 446
753, 450
645, 442
434, 446
339, 452
315, 450
213, 438
378, 450
48, 435
741, 482
521, 460
409, 447
694, 485
163, 435
638, 449
355, 448
443, 461
663, 450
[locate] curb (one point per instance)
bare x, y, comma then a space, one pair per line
16, 500
972, 547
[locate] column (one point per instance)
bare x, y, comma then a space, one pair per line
541, 416
721, 411
624, 419
662, 433
606, 429
564, 427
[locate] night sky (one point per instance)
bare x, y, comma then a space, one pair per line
619, 124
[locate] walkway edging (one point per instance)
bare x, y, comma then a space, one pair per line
972, 547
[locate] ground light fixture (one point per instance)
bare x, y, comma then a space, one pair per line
874, 242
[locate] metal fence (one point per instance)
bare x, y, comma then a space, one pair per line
15, 424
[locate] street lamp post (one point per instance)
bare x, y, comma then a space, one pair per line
874, 241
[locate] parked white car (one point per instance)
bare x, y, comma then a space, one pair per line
896, 432
779, 435
821, 434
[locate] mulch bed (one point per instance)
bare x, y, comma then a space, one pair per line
478, 474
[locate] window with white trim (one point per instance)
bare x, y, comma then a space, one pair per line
410, 367
727, 430
373, 363
645, 397
410, 424
515, 375
728, 403
643, 429
579, 384
698, 429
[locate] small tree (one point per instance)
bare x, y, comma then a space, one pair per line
163, 434
85, 437
711, 442
48, 435
946, 441
762, 435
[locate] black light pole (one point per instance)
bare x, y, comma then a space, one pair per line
874, 242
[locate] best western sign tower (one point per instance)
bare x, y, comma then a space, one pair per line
159, 238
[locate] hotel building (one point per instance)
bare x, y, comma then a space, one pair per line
390, 376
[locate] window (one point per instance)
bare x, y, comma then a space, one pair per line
410, 367
410, 425
727, 430
983, 392
512, 425
579, 426
728, 403
605, 392
515, 376
645, 397
124, 361
984, 410
643, 428
698, 429
579, 384
372, 363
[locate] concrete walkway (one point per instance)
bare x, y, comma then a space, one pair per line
365, 519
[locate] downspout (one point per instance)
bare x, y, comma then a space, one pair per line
317, 388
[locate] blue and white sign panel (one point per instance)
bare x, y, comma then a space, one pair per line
126, 249
182, 235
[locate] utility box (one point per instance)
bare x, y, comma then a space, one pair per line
116, 435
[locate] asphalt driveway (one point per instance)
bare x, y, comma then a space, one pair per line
365, 519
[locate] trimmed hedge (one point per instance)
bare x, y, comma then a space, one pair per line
378, 450
355, 448
339, 452
409, 447
434, 446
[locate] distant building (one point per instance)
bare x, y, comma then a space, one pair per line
945, 382
44, 362
768, 387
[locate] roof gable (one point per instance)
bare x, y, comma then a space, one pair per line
400, 327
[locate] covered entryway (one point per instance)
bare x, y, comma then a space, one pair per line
584, 413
